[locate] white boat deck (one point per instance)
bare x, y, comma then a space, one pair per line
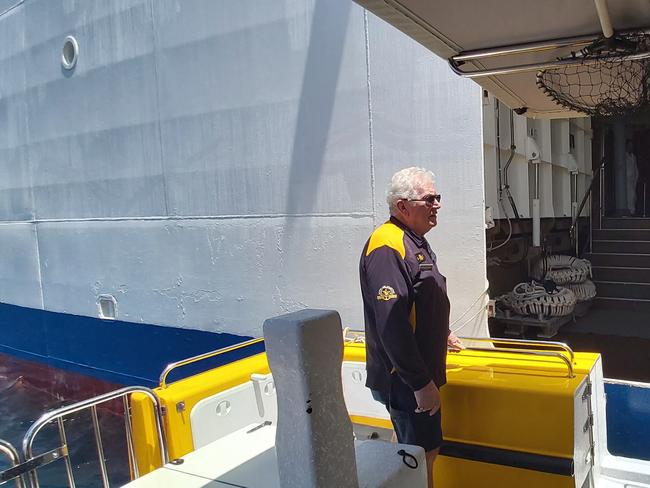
245, 458
606, 482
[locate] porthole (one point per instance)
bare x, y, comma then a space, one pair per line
70, 53
107, 307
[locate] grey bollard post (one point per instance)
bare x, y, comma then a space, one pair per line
314, 440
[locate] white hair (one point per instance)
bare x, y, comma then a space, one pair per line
407, 184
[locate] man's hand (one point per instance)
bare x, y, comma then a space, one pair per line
454, 344
428, 399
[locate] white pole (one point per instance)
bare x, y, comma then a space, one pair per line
536, 213
603, 16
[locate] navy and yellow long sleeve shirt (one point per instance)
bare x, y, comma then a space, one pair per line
406, 309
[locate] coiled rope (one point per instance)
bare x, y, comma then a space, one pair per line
533, 299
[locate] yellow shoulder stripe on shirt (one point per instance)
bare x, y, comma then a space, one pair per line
390, 235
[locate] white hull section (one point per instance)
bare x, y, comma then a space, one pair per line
210, 164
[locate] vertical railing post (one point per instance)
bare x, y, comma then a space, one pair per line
591, 223
574, 209
602, 197
33, 478
100, 447
10, 452
68, 463
129, 437
601, 173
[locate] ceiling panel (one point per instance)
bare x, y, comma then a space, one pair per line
448, 28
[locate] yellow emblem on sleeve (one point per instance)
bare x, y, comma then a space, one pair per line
386, 293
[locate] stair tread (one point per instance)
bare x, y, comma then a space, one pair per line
621, 282
620, 240
617, 254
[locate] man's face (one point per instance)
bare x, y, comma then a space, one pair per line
422, 215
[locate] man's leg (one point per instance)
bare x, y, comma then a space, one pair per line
419, 429
431, 457
422, 430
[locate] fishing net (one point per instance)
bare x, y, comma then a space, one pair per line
611, 77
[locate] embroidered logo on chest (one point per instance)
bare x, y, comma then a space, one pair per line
420, 257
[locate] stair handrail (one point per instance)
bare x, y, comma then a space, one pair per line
594, 177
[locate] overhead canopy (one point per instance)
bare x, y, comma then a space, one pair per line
460, 27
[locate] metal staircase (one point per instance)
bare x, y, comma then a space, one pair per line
621, 263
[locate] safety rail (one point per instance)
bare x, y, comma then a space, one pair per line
13, 473
524, 342
575, 43
31, 462
357, 336
162, 381
573, 230
528, 352
350, 335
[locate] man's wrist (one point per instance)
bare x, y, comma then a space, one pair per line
425, 385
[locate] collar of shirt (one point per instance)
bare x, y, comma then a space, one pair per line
419, 241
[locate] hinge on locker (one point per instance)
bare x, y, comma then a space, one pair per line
589, 458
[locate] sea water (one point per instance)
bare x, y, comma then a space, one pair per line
24, 398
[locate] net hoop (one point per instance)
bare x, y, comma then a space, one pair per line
611, 77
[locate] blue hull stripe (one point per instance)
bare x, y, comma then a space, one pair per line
628, 420
125, 353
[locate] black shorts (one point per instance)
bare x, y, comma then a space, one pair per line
419, 429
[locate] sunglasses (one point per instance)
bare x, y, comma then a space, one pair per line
429, 200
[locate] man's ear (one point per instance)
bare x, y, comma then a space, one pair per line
401, 206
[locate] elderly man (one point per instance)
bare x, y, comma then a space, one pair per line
406, 313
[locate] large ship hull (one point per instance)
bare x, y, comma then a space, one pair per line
204, 165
